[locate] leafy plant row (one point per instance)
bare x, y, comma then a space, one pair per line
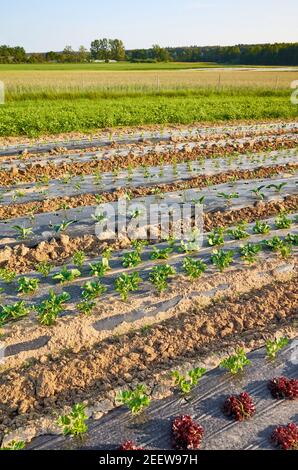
125, 284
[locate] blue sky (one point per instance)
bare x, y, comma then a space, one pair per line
50, 25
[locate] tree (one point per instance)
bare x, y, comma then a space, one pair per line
68, 54
117, 49
95, 49
83, 54
160, 54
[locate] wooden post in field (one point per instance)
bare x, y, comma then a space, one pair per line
276, 82
158, 83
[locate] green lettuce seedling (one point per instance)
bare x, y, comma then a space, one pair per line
66, 275
27, 285
250, 251
222, 259
44, 268
283, 222
136, 400
261, 228
74, 424
14, 445
92, 289
161, 253
235, 363
79, 258
13, 312
50, 308
7, 275
127, 283
194, 268
273, 347
159, 276
216, 237
186, 383
131, 260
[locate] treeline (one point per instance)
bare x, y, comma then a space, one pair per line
259, 54
114, 49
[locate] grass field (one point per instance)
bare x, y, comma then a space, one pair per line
50, 99
111, 66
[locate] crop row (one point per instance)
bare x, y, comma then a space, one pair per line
187, 434
50, 308
70, 185
163, 135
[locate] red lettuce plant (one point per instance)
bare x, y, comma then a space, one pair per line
286, 437
129, 445
281, 387
239, 407
187, 434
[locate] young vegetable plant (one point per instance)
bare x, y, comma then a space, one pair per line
222, 259
129, 445
277, 187
236, 362
27, 285
159, 276
50, 308
239, 232
74, 424
186, 433
292, 239
186, 383
161, 253
79, 258
283, 222
13, 312
92, 289
239, 407
99, 217
250, 251
261, 228
131, 260
100, 269
86, 307
14, 445
286, 437
273, 347
7, 275
279, 246
194, 268
283, 388
127, 283
63, 226
216, 237
23, 232
66, 275
258, 192
228, 197
136, 400
43, 268
139, 245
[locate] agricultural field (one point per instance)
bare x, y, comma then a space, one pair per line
121, 328
61, 98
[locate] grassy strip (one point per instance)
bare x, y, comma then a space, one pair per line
113, 66
34, 117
